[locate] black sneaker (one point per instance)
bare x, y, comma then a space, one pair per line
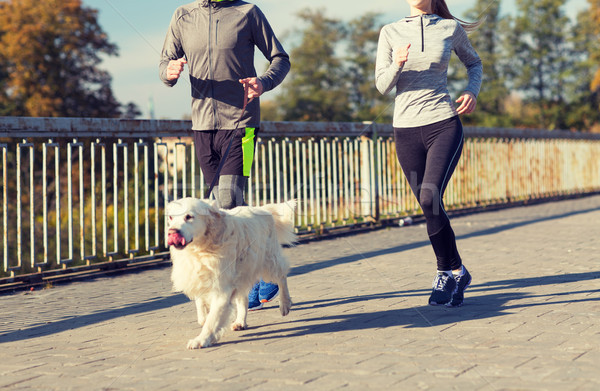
443, 287
462, 283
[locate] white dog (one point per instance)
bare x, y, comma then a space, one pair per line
218, 255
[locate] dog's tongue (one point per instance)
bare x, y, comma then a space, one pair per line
175, 239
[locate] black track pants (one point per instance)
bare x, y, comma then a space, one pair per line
428, 156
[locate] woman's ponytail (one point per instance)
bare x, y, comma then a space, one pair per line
440, 8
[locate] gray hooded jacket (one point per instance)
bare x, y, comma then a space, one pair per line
218, 38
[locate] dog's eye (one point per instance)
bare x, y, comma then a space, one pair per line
188, 217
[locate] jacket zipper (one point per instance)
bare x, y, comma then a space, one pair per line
422, 36
210, 67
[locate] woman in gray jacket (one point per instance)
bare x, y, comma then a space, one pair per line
217, 39
412, 56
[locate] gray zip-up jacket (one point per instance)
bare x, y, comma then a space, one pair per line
422, 96
218, 40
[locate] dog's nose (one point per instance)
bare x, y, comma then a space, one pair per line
175, 238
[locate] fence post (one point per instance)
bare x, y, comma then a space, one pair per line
369, 166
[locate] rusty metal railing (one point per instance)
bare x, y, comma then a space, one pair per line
78, 193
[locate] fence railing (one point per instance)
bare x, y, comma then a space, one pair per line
77, 193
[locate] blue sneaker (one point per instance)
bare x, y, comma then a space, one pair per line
253, 301
462, 283
443, 288
267, 291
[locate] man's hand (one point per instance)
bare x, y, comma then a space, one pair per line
255, 87
401, 56
468, 103
175, 68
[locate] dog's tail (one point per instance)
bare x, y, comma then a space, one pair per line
283, 214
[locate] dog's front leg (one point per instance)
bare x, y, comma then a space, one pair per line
241, 308
202, 310
285, 301
213, 325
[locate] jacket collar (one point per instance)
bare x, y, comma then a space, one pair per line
426, 18
214, 3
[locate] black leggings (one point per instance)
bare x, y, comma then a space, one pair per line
428, 156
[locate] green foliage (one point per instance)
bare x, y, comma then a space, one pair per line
49, 52
332, 74
540, 56
593, 14
487, 40
131, 111
583, 103
366, 103
314, 90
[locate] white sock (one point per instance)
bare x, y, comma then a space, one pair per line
448, 272
459, 272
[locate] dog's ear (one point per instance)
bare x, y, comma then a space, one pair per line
215, 213
209, 208
215, 224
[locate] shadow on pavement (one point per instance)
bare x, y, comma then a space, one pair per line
307, 268
74, 322
481, 306
505, 227
310, 267
509, 295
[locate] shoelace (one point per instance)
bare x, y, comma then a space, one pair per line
440, 282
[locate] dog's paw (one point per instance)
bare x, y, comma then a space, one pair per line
284, 307
193, 344
238, 326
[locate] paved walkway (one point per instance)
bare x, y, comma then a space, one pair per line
531, 320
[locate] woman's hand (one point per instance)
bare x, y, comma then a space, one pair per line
467, 101
401, 56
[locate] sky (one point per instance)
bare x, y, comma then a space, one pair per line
138, 28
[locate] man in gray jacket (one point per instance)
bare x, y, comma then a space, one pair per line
216, 39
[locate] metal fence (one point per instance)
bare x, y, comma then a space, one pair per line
78, 193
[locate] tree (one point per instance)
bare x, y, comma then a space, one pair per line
315, 89
583, 112
270, 110
131, 111
540, 54
487, 40
367, 104
50, 51
5, 105
594, 15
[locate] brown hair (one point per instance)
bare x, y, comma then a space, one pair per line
440, 8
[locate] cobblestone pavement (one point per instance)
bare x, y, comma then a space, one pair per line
531, 319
